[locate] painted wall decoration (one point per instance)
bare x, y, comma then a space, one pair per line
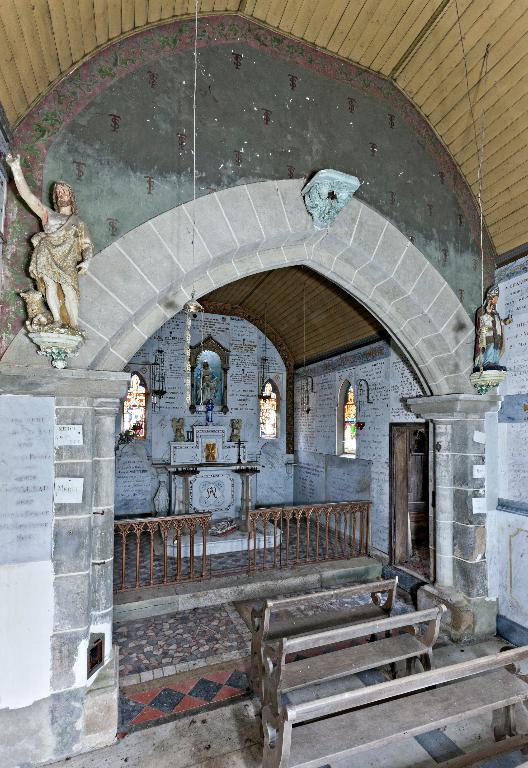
125, 144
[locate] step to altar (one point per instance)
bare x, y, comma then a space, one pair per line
235, 541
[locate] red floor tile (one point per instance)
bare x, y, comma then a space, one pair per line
144, 697
184, 686
189, 702
227, 693
149, 713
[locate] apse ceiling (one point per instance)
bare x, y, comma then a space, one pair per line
300, 304
415, 43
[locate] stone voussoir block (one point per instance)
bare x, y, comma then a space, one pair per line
110, 266
236, 205
144, 248
267, 201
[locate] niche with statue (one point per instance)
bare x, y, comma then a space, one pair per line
209, 362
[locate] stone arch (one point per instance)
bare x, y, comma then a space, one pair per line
137, 283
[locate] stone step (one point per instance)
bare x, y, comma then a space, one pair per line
156, 601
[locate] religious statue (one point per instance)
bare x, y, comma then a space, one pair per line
208, 385
489, 344
61, 252
178, 428
236, 426
161, 499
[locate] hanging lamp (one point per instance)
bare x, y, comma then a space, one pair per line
264, 364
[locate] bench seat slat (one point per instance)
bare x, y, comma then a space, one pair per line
350, 661
317, 742
288, 626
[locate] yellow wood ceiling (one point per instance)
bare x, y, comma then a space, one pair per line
290, 296
414, 42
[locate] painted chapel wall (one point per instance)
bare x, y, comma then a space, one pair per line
507, 461
320, 474
119, 129
136, 478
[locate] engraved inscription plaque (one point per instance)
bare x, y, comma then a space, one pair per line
26, 478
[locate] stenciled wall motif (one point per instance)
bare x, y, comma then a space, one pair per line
119, 129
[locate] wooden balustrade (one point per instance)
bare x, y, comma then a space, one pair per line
166, 550
147, 541
308, 534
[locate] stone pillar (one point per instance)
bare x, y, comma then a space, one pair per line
459, 511
80, 712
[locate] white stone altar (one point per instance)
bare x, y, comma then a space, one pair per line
201, 484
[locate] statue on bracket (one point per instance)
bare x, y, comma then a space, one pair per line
489, 344
60, 254
326, 194
209, 362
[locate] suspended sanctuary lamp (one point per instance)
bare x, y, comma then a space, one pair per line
193, 306
263, 392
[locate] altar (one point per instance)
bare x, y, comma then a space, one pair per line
210, 474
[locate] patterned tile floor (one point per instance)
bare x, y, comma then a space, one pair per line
140, 707
164, 645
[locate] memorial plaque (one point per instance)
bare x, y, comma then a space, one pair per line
68, 434
136, 481
26, 478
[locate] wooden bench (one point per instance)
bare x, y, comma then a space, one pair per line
263, 629
372, 717
280, 678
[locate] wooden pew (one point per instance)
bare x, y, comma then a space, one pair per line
263, 629
356, 721
280, 678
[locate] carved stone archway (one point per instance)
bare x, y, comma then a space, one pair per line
146, 276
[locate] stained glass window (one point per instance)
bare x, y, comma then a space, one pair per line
349, 422
268, 404
134, 409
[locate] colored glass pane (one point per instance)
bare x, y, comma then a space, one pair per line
349, 423
268, 412
134, 409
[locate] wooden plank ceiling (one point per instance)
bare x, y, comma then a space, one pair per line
415, 42
286, 297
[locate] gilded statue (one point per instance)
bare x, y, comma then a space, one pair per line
61, 252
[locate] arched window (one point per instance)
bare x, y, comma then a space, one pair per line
269, 410
135, 407
349, 423
346, 421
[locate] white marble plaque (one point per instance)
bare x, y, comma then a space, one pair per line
26, 478
68, 434
68, 490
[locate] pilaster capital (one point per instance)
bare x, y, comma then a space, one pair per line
454, 407
70, 383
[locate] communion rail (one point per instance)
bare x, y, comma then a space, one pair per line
154, 551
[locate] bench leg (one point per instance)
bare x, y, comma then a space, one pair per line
425, 661
411, 666
504, 723
393, 671
277, 740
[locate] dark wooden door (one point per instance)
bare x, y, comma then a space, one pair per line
409, 490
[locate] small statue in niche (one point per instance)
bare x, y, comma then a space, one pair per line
208, 385
489, 344
60, 254
236, 426
179, 430
161, 499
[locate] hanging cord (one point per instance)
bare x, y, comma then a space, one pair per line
194, 131
479, 145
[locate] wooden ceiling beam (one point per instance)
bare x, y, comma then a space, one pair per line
431, 21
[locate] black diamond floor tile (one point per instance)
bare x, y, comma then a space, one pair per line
166, 700
205, 689
238, 679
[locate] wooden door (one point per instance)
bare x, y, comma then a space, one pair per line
409, 491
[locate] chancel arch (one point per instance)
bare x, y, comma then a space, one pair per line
146, 276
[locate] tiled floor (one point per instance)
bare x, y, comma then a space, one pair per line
140, 707
164, 645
